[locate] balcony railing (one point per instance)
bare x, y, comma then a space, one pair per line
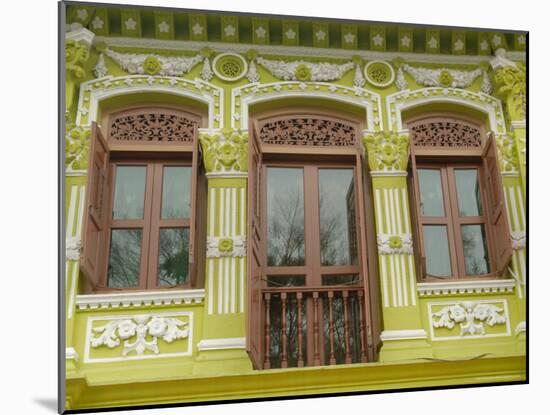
313, 326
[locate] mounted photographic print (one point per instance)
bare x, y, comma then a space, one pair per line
261, 206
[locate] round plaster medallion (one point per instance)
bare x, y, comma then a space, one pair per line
230, 66
379, 73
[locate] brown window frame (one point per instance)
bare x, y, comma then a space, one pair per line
447, 159
261, 157
453, 221
154, 155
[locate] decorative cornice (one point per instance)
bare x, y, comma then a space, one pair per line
387, 151
519, 239
442, 77
77, 33
225, 151
139, 299
438, 288
302, 51
221, 344
305, 71
222, 246
154, 64
466, 314
71, 354
395, 244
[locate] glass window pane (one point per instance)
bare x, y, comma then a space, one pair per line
475, 249
431, 193
469, 194
129, 192
173, 266
286, 281
436, 244
346, 279
176, 192
124, 258
285, 217
337, 226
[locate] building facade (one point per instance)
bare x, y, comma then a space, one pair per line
263, 206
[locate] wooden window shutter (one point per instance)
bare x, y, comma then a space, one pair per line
498, 220
414, 203
254, 338
96, 213
368, 269
193, 260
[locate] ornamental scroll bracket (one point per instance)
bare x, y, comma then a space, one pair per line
225, 151
387, 151
510, 81
77, 52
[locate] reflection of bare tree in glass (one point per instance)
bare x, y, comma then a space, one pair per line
475, 253
286, 230
124, 258
173, 256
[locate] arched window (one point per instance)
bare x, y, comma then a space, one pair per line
461, 225
144, 225
311, 301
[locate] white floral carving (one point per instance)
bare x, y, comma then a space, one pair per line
100, 69
467, 313
405, 41
170, 65
164, 27
349, 37
378, 40
229, 30
358, 79
97, 23
130, 24
319, 71
238, 249
432, 77
290, 34
432, 43
253, 76
72, 248
206, 72
197, 29
142, 327
519, 239
260, 32
395, 244
320, 35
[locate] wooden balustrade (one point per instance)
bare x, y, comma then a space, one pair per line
313, 326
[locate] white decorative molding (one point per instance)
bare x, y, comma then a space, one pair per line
443, 77
519, 239
140, 334
249, 94
80, 34
516, 125
227, 175
226, 246
471, 316
100, 70
520, 328
501, 60
427, 289
236, 77
390, 335
401, 101
373, 81
388, 173
389, 244
327, 53
72, 248
93, 92
71, 354
221, 344
305, 71
139, 299
153, 64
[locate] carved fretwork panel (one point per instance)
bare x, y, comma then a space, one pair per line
152, 126
445, 133
308, 131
